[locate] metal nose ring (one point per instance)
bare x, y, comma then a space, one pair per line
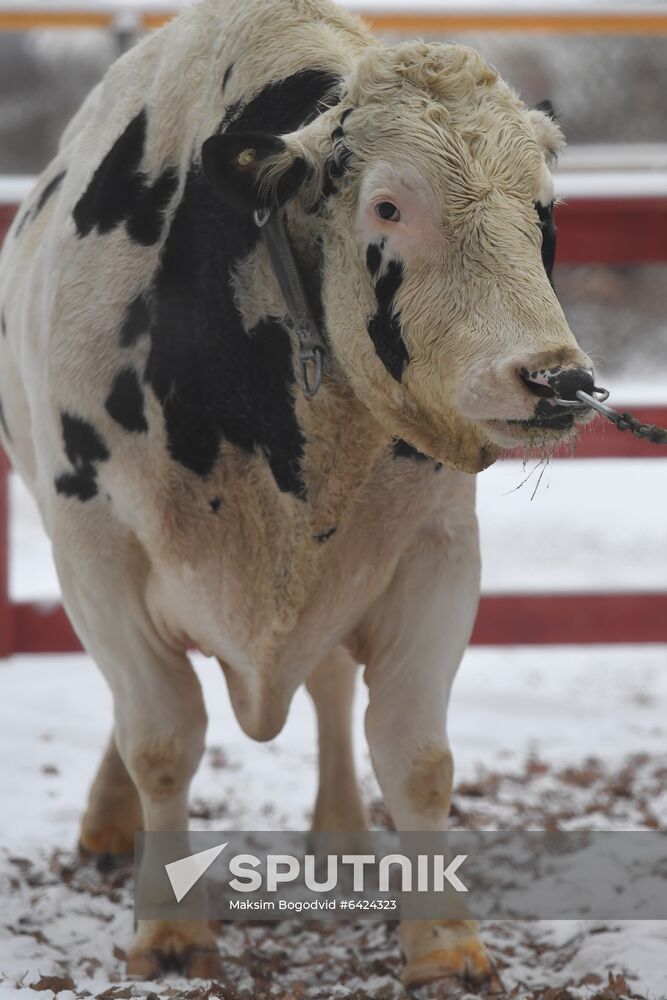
586, 401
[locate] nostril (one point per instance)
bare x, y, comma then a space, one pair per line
569, 381
564, 383
539, 383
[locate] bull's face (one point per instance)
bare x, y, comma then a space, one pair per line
433, 207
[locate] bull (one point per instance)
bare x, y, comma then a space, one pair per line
161, 407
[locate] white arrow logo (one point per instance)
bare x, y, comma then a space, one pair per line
185, 872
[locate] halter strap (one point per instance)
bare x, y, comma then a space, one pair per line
312, 348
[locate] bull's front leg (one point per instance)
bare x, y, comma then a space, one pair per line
412, 643
160, 730
160, 719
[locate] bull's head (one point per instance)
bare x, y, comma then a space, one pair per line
427, 196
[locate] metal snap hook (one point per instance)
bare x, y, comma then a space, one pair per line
312, 347
308, 356
261, 216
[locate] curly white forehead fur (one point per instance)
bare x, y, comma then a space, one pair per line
490, 134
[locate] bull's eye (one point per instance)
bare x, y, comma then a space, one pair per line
387, 211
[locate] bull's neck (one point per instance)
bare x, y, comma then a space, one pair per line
343, 445
223, 363
342, 440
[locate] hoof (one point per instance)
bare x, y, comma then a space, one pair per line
204, 963
456, 970
450, 954
187, 949
109, 842
104, 862
193, 963
144, 964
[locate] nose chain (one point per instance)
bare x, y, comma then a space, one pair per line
622, 421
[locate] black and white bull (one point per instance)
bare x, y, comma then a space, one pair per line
151, 399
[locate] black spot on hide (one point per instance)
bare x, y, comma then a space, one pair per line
84, 448
373, 258
23, 221
136, 322
31, 213
214, 379
47, 193
384, 328
284, 105
120, 192
3, 323
401, 449
79, 486
324, 536
126, 402
215, 504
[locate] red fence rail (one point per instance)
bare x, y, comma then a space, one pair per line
612, 231
6, 609
605, 230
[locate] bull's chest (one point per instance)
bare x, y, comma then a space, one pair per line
273, 583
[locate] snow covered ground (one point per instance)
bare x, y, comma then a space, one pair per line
571, 737
572, 721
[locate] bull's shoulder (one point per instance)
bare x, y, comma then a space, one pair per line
139, 314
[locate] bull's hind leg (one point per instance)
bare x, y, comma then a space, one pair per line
412, 641
113, 813
160, 720
331, 686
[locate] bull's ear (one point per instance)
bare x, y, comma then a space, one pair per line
547, 108
548, 133
252, 169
